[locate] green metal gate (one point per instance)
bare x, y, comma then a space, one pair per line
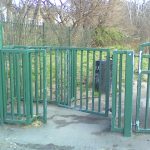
143, 90
71, 78
122, 84
22, 96
122, 92
75, 69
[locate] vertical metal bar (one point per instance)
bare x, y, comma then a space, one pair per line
27, 88
99, 73
147, 97
4, 85
128, 94
1, 89
51, 69
30, 82
81, 78
36, 82
65, 76
23, 82
56, 75
44, 88
11, 85
87, 79
7, 77
114, 89
71, 69
18, 85
14, 71
68, 77
40, 67
120, 91
93, 81
107, 84
6, 82
75, 60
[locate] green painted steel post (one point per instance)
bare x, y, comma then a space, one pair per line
36, 66
93, 82
81, 78
44, 88
128, 94
120, 91
11, 85
27, 87
30, 82
51, 82
1, 96
18, 85
73, 65
99, 76
1, 35
65, 77
72, 73
61, 74
107, 84
40, 67
114, 89
69, 78
57, 63
75, 74
3, 60
87, 81
58, 74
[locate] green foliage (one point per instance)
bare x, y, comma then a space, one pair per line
105, 36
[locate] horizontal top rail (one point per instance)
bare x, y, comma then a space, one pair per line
17, 50
123, 51
59, 48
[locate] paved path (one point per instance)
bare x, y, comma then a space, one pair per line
69, 130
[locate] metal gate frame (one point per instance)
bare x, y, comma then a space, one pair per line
16, 80
126, 118
70, 78
125, 125
141, 72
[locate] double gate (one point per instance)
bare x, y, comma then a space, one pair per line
76, 78
72, 77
